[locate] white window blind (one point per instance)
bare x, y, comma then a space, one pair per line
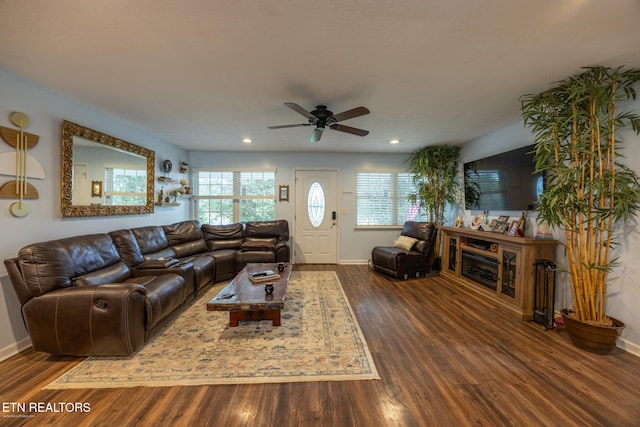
381, 198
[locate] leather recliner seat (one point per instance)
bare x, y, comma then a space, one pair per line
79, 298
405, 262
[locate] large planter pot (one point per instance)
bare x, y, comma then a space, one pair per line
592, 338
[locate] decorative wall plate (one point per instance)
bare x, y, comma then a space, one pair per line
167, 166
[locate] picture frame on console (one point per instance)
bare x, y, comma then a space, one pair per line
501, 227
513, 228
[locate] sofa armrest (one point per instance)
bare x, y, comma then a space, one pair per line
282, 252
106, 320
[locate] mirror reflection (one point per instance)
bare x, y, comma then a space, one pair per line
103, 175
123, 175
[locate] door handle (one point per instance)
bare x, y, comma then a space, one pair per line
334, 215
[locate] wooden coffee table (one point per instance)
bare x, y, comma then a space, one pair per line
248, 300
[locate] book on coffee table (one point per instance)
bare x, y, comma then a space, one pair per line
263, 276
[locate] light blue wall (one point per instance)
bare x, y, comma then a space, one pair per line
46, 111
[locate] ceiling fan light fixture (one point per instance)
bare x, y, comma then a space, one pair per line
322, 117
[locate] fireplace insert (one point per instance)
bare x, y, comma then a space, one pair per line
480, 268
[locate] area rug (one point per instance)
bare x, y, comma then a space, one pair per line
319, 340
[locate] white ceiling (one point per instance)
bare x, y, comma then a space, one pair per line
204, 74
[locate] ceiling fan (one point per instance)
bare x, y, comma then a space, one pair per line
321, 118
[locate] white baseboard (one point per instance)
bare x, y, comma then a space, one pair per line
14, 348
353, 262
629, 347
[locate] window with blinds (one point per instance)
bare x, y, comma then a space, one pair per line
125, 186
230, 196
381, 198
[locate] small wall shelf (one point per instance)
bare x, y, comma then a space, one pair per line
168, 204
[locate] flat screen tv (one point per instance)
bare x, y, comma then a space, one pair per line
503, 182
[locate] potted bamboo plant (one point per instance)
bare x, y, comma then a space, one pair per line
588, 191
434, 172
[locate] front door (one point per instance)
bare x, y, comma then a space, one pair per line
316, 217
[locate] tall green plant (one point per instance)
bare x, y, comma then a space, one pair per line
588, 190
434, 172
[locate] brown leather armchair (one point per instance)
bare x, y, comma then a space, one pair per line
411, 256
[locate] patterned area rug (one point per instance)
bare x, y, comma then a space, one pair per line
319, 340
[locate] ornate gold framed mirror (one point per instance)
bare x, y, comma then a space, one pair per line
126, 171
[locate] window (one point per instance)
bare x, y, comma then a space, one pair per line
315, 204
125, 186
381, 198
228, 196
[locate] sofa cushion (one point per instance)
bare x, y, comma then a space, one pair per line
220, 245
164, 294
405, 242
244, 257
225, 263
222, 232
204, 267
115, 273
127, 246
223, 237
159, 263
151, 239
420, 246
184, 231
47, 266
258, 244
278, 229
190, 248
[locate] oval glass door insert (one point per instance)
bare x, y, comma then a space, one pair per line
315, 204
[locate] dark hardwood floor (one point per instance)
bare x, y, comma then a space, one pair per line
446, 357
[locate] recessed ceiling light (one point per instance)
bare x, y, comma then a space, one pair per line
247, 140
394, 141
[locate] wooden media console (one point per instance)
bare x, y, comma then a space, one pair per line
499, 266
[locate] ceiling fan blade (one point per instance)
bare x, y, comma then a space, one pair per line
288, 126
350, 114
317, 134
298, 109
349, 129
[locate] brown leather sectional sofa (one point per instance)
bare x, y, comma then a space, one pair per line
107, 294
